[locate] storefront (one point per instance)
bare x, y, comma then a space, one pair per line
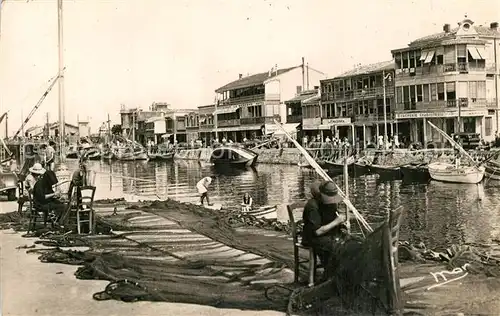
471, 121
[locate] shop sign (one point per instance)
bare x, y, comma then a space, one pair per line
311, 123
440, 114
337, 121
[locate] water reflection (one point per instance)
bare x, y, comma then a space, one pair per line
438, 214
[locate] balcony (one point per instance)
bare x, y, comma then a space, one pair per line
245, 99
460, 67
375, 92
446, 104
294, 118
259, 120
226, 123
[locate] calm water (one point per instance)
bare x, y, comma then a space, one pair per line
438, 214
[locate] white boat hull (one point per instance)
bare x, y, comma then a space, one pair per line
446, 172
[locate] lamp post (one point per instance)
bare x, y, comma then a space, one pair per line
384, 78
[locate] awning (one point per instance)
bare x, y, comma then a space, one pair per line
166, 135
424, 55
225, 110
154, 119
474, 53
481, 51
428, 58
289, 128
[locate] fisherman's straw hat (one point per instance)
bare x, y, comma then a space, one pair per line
37, 169
329, 193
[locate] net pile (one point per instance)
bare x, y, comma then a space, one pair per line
140, 271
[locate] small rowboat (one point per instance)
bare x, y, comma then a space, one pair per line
268, 212
447, 172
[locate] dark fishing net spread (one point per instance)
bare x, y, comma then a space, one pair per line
356, 282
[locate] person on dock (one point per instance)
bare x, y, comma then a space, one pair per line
247, 203
78, 180
28, 183
44, 197
202, 187
322, 221
50, 155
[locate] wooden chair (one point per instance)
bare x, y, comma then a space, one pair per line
36, 214
297, 245
392, 240
83, 207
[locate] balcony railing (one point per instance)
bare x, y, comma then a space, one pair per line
461, 67
232, 122
375, 92
294, 118
245, 99
443, 104
259, 120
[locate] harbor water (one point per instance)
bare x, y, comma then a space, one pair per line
437, 214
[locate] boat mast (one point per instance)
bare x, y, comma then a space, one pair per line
62, 132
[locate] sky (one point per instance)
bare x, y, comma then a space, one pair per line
136, 52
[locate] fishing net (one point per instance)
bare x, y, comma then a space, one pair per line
356, 283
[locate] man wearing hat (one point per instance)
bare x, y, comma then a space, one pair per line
322, 221
44, 197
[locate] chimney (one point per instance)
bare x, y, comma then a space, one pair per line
276, 69
446, 28
240, 76
494, 26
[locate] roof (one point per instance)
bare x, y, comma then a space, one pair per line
52, 125
303, 96
371, 68
253, 80
437, 37
312, 100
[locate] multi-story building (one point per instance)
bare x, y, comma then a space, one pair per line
128, 120
247, 107
352, 104
206, 123
450, 79
53, 130
192, 126
301, 108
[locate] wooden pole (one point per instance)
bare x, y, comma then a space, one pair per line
325, 176
346, 187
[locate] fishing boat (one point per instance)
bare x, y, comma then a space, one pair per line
161, 156
269, 212
415, 172
339, 164
73, 152
139, 153
386, 171
492, 170
93, 153
447, 172
233, 156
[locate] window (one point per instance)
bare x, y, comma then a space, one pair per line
405, 60
399, 95
469, 124
397, 59
440, 91
487, 126
412, 59
413, 96
418, 62
450, 91
426, 92
449, 54
473, 90
420, 96
433, 91
406, 94
439, 59
481, 89
348, 85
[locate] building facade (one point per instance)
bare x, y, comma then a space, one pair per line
352, 105
249, 106
53, 131
450, 79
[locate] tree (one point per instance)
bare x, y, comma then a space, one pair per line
116, 129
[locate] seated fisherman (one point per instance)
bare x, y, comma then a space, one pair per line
322, 222
44, 197
247, 203
78, 179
